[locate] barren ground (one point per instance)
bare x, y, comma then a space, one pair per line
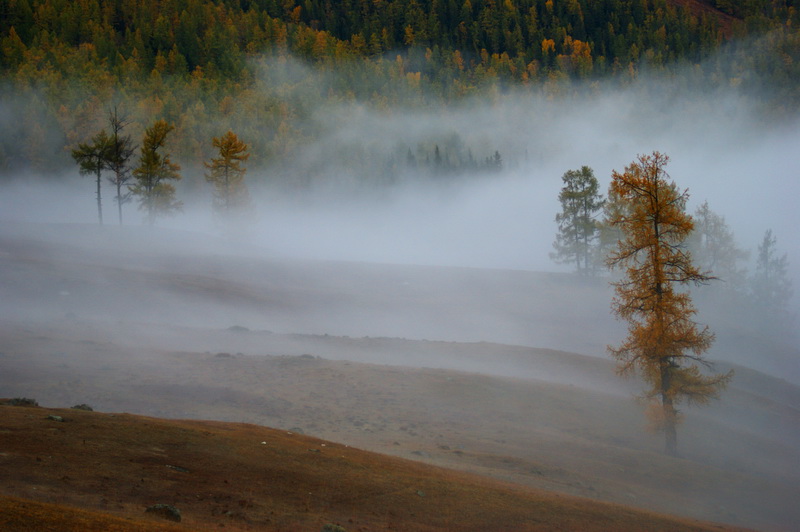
387, 359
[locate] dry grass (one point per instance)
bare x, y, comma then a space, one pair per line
246, 477
130, 328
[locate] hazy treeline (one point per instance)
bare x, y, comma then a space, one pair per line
208, 67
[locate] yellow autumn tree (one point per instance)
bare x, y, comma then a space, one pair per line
664, 345
226, 173
156, 195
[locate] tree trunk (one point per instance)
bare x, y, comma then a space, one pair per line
669, 413
99, 201
670, 432
119, 199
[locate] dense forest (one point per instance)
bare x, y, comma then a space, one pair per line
261, 67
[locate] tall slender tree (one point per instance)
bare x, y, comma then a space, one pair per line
714, 248
226, 173
664, 345
118, 157
771, 288
156, 194
577, 225
92, 159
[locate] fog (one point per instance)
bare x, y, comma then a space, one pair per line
723, 149
348, 263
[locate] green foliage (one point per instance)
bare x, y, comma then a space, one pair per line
23, 401
226, 174
120, 150
507, 39
714, 248
156, 194
577, 227
92, 159
770, 285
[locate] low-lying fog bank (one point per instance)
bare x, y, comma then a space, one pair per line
183, 324
156, 275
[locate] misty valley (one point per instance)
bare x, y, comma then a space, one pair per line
494, 265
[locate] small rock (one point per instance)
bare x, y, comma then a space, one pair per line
165, 511
83, 406
52, 417
330, 527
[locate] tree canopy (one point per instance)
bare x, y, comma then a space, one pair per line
664, 345
578, 229
226, 174
156, 194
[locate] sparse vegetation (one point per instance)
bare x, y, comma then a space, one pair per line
22, 401
276, 484
333, 528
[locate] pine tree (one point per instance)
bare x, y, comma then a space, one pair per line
92, 158
771, 288
577, 227
227, 175
664, 345
714, 248
119, 153
156, 195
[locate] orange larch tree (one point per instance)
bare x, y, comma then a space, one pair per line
226, 173
664, 345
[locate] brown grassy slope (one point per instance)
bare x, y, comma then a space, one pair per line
24, 514
125, 325
246, 477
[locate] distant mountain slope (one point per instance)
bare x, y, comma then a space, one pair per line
578, 38
262, 68
726, 20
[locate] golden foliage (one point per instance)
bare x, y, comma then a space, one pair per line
664, 344
226, 173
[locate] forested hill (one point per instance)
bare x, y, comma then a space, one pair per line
188, 61
519, 39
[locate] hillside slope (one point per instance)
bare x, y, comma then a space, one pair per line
244, 477
176, 328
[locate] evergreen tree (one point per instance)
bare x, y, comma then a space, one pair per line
119, 153
92, 158
664, 344
714, 248
230, 195
770, 286
156, 194
577, 226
